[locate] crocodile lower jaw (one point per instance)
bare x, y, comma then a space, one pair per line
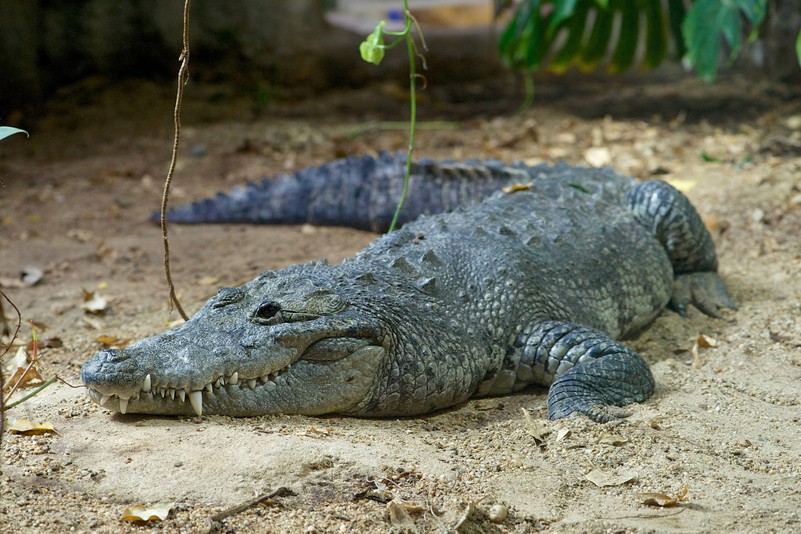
152, 396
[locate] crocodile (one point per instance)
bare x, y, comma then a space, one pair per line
359, 192
534, 285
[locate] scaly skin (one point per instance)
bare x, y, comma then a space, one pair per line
528, 287
360, 192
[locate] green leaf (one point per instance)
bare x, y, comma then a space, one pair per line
707, 20
571, 48
562, 10
598, 43
521, 44
372, 48
708, 158
623, 57
798, 48
6, 131
656, 40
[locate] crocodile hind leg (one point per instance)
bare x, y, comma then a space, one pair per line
673, 220
589, 372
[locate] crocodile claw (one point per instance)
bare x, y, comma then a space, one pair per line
705, 290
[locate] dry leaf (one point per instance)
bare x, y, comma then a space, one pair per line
93, 302
414, 507
377, 494
31, 378
657, 499
534, 429
562, 434
29, 428
706, 342
398, 516
111, 341
514, 188
681, 184
16, 369
608, 478
138, 512
660, 499
612, 439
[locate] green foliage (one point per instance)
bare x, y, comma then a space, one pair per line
565, 33
6, 131
372, 48
582, 33
708, 20
798, 48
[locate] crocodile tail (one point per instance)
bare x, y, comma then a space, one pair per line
360, 192
337, 193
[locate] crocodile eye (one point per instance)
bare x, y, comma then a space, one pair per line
266, 311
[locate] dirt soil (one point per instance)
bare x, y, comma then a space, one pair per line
720, 435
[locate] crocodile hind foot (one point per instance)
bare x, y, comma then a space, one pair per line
705, 290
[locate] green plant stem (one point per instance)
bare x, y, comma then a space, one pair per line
29, 395
412, 114
528, 98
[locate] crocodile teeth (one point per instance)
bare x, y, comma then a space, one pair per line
207, 388
219, 383
104, 399
171, 391
233, 379
196, 399
182, 395
162, 392
123, 405
252, 383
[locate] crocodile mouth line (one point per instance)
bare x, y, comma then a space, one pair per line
148, 392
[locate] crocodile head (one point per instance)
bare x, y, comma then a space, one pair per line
286, 342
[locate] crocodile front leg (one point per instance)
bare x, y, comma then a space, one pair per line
589, 372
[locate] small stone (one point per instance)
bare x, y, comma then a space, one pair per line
498, 513
793, 122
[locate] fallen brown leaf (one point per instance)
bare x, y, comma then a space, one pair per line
657, 499
93, 302
399, 518
139, 512
29, 428
612, 439
112, 341
609, 478
535, 429
514, 188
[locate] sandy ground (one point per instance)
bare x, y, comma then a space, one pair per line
722, 429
